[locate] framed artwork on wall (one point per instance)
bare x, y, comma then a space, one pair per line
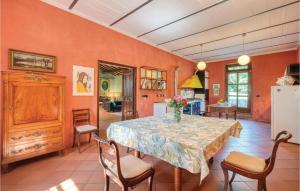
83, 81
104, 85
216, 89
29, 61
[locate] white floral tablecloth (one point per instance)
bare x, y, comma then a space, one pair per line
188, 144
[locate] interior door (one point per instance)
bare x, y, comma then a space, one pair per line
128, 105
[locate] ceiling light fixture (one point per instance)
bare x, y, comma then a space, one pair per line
201, 65
244, 59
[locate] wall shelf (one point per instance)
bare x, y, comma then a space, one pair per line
153, 79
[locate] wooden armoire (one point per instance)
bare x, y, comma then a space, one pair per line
33, 115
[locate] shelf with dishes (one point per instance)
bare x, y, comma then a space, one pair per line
153, 79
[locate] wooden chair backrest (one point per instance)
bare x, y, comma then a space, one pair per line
109, 155
281, 137
130, 115
81, 117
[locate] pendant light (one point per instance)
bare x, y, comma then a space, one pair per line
201, 65
244, 59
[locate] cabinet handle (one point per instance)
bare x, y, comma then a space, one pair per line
17, 138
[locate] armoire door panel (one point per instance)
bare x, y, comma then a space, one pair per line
32, 104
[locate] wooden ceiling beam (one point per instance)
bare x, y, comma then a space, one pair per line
73, 4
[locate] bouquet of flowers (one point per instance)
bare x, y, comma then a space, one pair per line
177, 103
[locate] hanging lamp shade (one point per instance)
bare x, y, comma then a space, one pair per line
201, 65
243, 59
192, 82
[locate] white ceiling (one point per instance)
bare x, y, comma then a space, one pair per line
181, 26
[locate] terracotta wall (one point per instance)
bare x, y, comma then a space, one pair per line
32, 25
265, 71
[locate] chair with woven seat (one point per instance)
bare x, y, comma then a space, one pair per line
126, 171
82, 125
251, 166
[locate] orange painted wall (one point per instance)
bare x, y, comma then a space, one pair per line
265, 71
34, 26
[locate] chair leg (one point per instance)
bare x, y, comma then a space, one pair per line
225, 171
74, 137
106, 187
260, 185
265, 185
232, 178
150, 182
78, 142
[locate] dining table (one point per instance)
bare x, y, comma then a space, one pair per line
188, 144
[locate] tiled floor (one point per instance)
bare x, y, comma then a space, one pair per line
76, 171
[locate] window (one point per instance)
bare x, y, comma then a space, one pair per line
238, 86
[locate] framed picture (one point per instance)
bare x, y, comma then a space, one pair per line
216, 89
29, 61
104, 86
83, 81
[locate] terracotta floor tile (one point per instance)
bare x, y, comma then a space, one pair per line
22, 188
97, 177
81, 176
58, 177
88, 165
93, 187
64, 186
68, 165
35, 177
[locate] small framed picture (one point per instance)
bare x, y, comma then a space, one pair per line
216, 89
29, 61
83, 81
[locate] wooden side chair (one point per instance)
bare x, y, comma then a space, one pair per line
130, 115
251, 166
82, 125
127, 116
126, 171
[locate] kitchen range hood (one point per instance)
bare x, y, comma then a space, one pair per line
192, 83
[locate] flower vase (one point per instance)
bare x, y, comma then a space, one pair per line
177, 114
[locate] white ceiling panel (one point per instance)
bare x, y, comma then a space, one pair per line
278, 31
181, 26
155, 15
107, 11
278, 48
248, 25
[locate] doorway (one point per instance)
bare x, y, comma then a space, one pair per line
116, 92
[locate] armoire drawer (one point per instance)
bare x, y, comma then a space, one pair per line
24, 136
35, 146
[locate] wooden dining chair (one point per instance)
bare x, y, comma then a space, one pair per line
82, 125
251, 166
128, 115
126, 171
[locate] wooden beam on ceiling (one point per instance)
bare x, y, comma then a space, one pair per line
134, 10
73, 4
